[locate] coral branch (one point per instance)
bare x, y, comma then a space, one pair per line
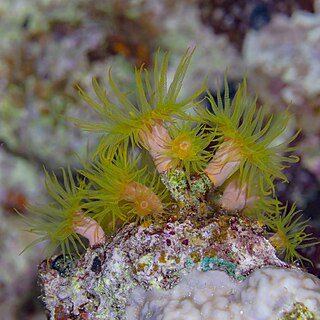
225, 162
235, 197
90, 229
155, 140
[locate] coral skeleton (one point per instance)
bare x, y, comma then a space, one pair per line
174, 192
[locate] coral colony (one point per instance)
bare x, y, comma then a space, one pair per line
175, 211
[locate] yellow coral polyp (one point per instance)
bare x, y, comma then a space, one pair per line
247, 141
121, 190
56, 223
288, 232
182, 147
156, 103
186, 149
144, 200
279, 240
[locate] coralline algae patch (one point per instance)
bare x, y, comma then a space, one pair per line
268, 293
231, 244
156, 257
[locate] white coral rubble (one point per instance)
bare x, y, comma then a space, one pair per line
266, 294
